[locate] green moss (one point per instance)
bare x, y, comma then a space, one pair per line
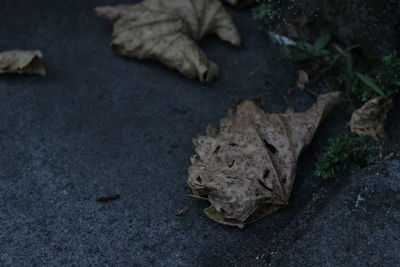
342, 150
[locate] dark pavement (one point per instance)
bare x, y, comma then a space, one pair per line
99, 124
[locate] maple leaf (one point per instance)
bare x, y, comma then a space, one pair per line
168, 31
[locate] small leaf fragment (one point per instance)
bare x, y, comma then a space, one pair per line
370, 118
302, 80
22, 62
247, 169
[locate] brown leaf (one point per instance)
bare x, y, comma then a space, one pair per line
182, 211
240, 3
370, 118
247, 170
302, 80
167, 30
19, 61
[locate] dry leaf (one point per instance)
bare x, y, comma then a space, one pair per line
302, 80
370, 118
19, 61
247, 168
167, 30
240, 3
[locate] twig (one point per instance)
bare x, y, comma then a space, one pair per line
108, 198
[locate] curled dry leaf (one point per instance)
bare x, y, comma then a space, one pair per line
240, 3
247, 168
370, 118
20, 61
167, 30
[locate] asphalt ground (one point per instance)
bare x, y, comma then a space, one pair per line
100, 124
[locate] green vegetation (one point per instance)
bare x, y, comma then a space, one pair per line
389, 78
304, 50
341, 150
385, 83
324, 60
315, 197
262, 11
389, 156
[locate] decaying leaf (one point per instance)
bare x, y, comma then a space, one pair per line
302, 80
247, 168
20, 61
240, 3
370, 118
167, 30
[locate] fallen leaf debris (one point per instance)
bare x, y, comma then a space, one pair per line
22, 62
303, 79
370, 118
168, 31
247, 167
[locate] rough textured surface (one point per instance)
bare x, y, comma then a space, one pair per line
355, 224
100, 124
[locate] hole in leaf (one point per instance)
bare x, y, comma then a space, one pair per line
270, 147
231, 164
266, 173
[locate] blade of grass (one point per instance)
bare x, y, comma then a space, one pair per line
322, 41
370, 83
